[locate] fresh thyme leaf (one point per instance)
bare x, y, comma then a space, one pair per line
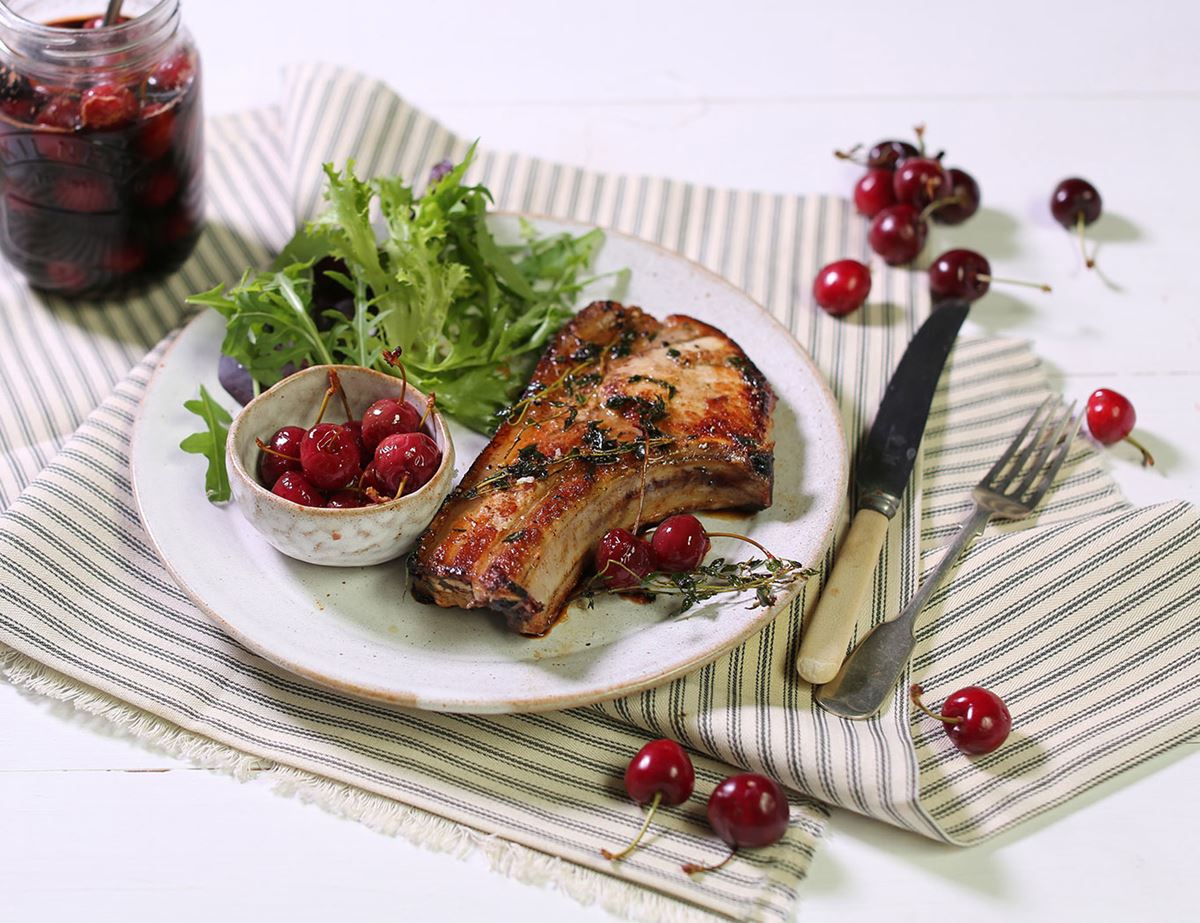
210, 443
598, 449
765, 579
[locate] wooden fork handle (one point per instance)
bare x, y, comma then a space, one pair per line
823, 646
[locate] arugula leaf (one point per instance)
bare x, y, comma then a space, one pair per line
211, 443
425, 275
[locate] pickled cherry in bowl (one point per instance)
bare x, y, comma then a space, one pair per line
100, 151
335, 510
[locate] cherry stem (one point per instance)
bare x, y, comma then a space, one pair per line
270, 451
617, 857
375, 496
324, 404
400, 489
915, 693
392, 358
428, 408
336, 382
692, 868
851, 155
1080, 224
919, 131
744, 538
936, 204
1147, 458
1042, 285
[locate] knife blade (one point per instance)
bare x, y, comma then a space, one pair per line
885, 462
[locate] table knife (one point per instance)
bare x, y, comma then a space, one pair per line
885, 462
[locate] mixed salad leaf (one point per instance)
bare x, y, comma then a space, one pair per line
422, 273
210, 442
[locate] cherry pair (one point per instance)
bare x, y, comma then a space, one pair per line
746, 810
678, 545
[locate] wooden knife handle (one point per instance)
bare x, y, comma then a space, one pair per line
823, 647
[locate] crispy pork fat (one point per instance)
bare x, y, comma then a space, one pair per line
619, 399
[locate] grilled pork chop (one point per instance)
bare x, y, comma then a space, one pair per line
568, 463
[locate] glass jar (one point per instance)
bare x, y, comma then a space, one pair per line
101, 144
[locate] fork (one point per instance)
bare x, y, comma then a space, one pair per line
1011, 490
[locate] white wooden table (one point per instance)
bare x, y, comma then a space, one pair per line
94, 827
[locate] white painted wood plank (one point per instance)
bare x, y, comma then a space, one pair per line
38, 734
634, 51
197, 846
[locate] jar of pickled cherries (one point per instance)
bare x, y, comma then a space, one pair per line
100, 144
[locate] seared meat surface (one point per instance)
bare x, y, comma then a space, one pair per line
618, 398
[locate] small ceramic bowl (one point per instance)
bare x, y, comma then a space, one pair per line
339, 538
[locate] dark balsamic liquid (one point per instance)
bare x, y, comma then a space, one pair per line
88, 211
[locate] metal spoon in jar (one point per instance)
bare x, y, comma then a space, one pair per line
113, 13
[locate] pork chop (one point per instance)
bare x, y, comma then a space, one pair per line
618, 400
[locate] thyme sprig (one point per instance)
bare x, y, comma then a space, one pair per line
765, 578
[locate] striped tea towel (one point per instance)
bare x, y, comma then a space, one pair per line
88, 613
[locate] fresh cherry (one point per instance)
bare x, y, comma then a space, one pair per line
746, 810
919, 181
898, 233
961, 274
975, 719
680, 544
962, 201
107, 106
967, 275
1075, 199
623, 559
1111, 418
329, 456
294, 486
886, 154
842, 287
873, 193
1076, 204
406, 461
659, 773
387, 417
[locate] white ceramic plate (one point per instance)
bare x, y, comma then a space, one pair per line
359, 630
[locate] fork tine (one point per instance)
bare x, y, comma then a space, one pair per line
1057, 461
1059, 430
1031, 445
1003, 460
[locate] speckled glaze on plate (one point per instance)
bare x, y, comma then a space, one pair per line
360, 631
